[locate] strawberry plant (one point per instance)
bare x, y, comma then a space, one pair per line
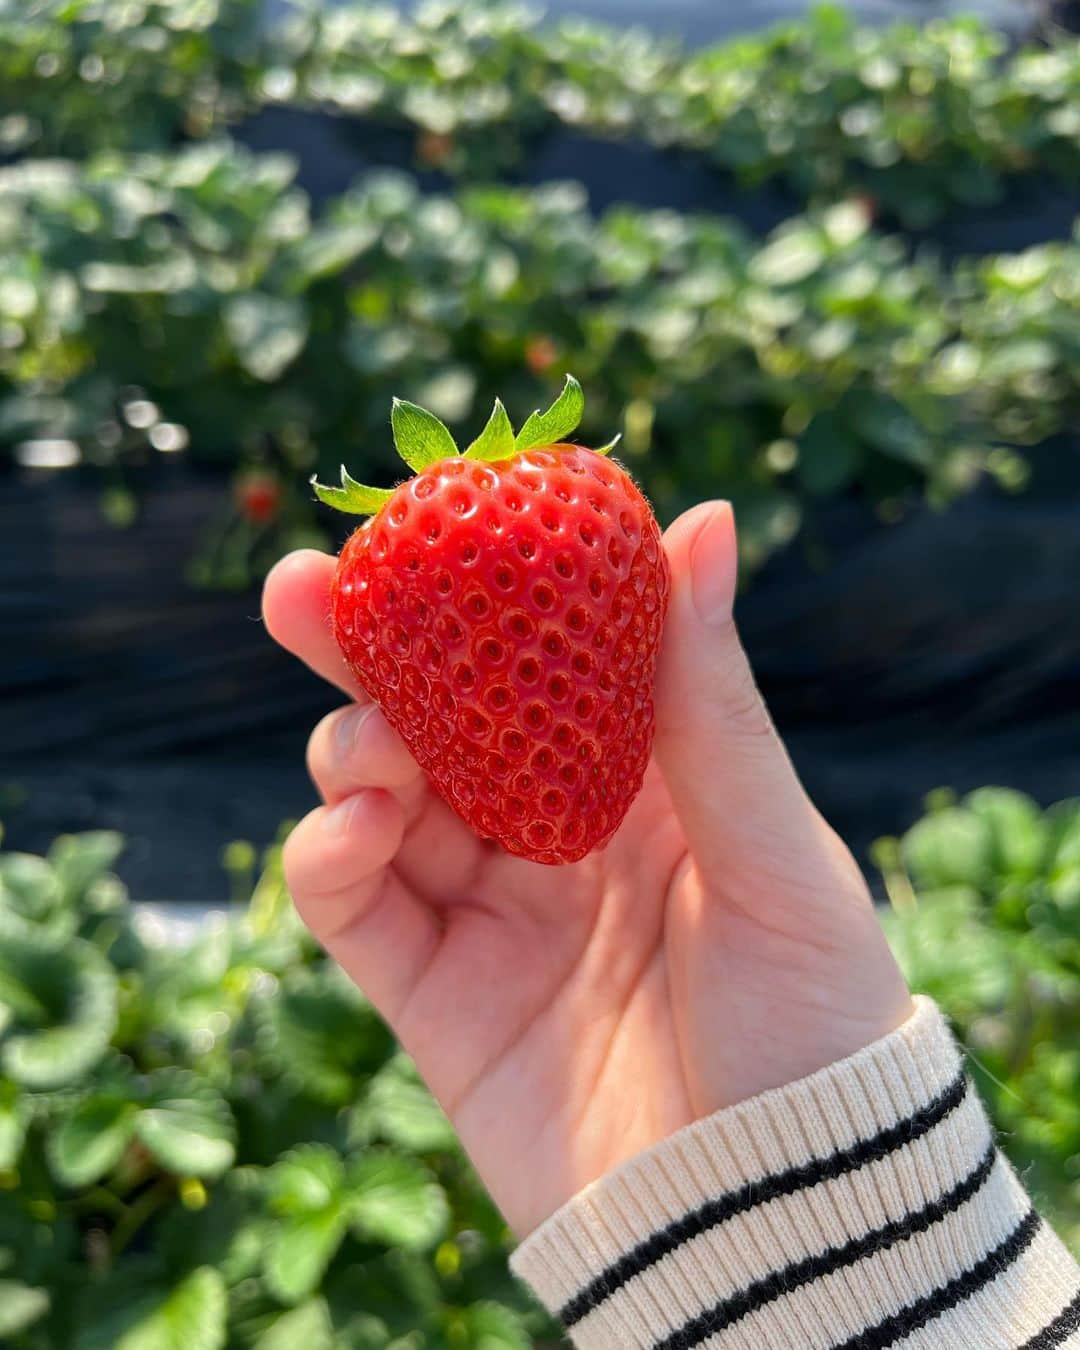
918, 118
218, 1144
985, 917
76, 78
191, 300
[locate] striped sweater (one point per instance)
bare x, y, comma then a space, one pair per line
863, 1207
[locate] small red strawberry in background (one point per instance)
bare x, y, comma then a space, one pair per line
434, 148
540, 354
258, 496
504, 608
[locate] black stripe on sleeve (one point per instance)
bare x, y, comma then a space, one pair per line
715, 1212
799, 1273
1064, 1324
892, 1329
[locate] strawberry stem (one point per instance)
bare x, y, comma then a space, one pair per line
422, 439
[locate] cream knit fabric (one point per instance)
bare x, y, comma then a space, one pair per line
863, 1207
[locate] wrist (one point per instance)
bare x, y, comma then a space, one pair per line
807, 999
867, 1201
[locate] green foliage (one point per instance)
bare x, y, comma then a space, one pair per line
846, 361
78, 75
168, 289
242, 1157
919, 117
224, 1149
994, 936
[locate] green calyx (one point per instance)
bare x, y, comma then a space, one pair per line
421, 439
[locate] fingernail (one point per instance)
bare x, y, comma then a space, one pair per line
347, 731
713, 563
338, 820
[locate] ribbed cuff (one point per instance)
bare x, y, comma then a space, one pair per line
855, 1208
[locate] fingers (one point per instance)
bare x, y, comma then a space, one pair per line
733, 786
296, 611
355, 747
337, 869
441, 853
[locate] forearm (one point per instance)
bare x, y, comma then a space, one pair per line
861, 1207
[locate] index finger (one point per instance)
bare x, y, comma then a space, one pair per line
296, 611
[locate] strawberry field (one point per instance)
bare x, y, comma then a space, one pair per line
166, 289
830, 272
218, 1145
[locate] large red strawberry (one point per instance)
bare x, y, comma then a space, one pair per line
504, 609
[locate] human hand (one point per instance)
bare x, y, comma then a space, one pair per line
722, 943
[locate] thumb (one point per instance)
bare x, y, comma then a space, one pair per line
736, 793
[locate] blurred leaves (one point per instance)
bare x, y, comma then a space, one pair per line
247, 1157
186, 1125
20, 1306
994, 936
239, 1154
915, 117
57, 1005
267, 333
849, 363
174, 290
133, 1313
398, 1109
91, 1140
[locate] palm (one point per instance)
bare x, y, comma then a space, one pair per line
556, 1013
545, 988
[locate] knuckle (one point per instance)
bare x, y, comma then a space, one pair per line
743, 708
332, 745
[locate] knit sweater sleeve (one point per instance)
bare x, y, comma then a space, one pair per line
863, 1207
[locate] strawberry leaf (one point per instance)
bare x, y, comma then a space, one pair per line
419, 436
79, 859
267, 332
58, 1005
29, 886
607, 448
394, 1199
20, 1306
399, 1109
320, 1033
307, 1195
547, 428
496, 441
300, 1250
187, 1125
14, 1119
352, 497
91, 1139
490, 1326
133, 1310
307, 1325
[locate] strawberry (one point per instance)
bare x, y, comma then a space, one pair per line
434, 148
258, 496
540, 354
504, 609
